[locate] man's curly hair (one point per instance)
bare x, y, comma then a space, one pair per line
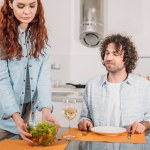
121, 43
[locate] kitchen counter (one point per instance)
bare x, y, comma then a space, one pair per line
67, 92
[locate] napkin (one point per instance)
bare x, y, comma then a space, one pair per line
94, 137
22, 145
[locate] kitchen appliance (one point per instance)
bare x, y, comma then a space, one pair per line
91, 22
76, 85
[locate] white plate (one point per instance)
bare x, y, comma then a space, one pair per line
108, 130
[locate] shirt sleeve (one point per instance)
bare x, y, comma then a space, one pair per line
44, 82
8, 104
85, 113
147, 106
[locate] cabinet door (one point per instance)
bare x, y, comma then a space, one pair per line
57, 112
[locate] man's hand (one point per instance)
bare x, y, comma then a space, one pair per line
85, 125
48, 117
148, 77
137, 127
21, 128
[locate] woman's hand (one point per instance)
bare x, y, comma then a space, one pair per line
21, 128
48, 117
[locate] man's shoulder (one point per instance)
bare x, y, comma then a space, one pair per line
137, 79
97, 80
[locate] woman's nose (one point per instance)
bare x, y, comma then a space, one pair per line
26, 10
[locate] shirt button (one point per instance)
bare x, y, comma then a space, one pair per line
24, 43
30, 65
22, 32
26, 55
25, 68
32, 90
24, 80
20, 104
31, 78
27, 41
22, 92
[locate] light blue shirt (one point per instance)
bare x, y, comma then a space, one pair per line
134, 101
13, 80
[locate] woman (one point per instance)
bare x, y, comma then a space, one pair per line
24, 66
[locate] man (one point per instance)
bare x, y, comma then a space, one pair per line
148, 77
118, 98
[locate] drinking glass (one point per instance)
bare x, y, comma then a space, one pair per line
69, 112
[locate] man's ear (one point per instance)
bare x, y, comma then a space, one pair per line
10, 4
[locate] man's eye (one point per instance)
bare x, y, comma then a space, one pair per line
116, 54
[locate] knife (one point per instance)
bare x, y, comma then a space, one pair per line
129, 135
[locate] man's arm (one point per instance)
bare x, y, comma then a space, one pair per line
85, 122
85, 114
146, 124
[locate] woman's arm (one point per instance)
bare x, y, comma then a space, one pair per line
8, 104
21, 128
44, 89
44, 83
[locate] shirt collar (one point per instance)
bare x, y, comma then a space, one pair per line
103, 80
23, 33
129, 79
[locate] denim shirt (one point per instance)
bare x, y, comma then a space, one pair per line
134, 101
13, 80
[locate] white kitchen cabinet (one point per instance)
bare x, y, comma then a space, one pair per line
57, 112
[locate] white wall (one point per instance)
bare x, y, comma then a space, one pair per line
130, 17
79, 63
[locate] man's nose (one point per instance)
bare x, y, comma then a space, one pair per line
109, 57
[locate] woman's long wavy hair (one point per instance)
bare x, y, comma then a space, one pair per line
125, 44
9, 44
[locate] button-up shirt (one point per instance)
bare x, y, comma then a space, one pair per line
134, 100
13, 80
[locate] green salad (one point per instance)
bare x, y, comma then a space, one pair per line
42, 133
